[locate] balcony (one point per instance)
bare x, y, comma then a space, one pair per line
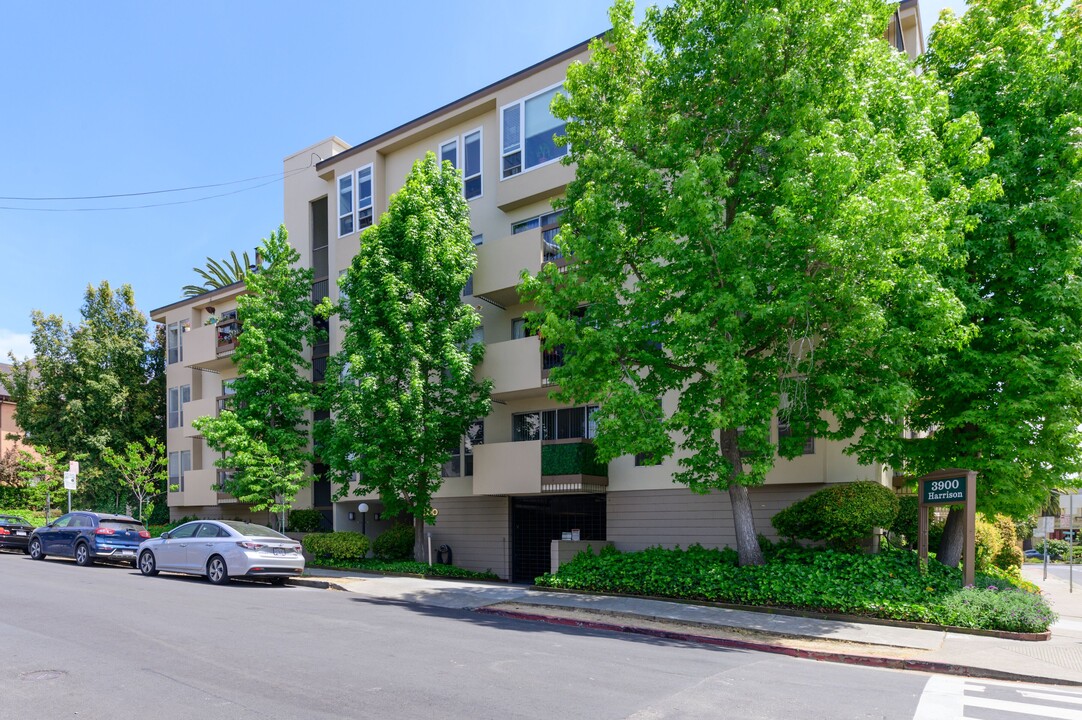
515, 368
533, 467
197, 409
500, 264
198, 489
211, 347
540, 183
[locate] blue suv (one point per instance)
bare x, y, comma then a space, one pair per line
89, 536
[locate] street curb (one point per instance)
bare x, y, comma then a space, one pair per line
321, 584
929, 666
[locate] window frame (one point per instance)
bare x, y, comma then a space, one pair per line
370, 167
352, 203
480, 174
521, 103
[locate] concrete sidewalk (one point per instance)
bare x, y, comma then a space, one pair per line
1058, 660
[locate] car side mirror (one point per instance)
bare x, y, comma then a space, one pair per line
165, 536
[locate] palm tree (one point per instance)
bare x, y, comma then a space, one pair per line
218, 274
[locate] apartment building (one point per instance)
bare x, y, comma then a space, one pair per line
525, 475
9, 431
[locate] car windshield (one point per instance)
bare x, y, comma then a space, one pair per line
250, 530
123, 525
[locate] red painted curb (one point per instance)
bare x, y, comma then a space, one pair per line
820, 655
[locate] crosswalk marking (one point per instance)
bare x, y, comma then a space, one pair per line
945, 698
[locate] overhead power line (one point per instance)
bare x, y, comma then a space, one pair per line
151, 192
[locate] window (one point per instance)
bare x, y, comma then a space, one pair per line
354, 215
529, 132
364, 197
478, 239
471, 166
345, 205
449, 152
550, 226
174, 471
561, 424
185, 465
786, 430
172, 408
453, 466
519, 329
174, 341
475, 435
185, 396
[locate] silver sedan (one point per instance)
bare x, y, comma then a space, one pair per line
221, 550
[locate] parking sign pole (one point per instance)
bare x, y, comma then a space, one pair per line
1070, 548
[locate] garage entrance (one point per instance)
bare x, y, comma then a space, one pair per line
538, 520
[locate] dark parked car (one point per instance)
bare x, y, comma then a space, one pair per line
89, 536
15, 532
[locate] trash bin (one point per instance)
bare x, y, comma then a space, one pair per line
443, 555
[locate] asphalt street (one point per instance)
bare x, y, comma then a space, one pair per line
105, 642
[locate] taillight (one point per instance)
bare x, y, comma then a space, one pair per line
249, 545
105, 531
144, 534
296, 548
4, 531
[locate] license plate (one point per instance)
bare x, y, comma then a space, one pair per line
279, 551
127, 552
20, 532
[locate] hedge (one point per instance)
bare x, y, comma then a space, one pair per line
336, 546
840, 515
395, 544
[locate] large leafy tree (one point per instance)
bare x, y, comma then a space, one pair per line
141, 466
762, 205
91, 387
1009, 404
402, 390
263, 434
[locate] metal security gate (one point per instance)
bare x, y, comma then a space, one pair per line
538, 520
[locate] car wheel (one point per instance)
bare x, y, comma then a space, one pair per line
146, 564
34, 550
217, 572
82, 555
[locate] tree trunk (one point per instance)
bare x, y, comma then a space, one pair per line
419, 553
950, 547
747, 543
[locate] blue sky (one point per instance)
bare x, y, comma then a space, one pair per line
128, 97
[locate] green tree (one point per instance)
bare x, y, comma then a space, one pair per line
142, 468
758, 220
1009, 404
402, 390
41, 474
91, 387
263, 434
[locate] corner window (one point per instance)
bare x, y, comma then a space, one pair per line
174, 341
529, 132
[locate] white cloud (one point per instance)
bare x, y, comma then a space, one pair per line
18, 343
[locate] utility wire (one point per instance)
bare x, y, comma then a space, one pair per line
153, 192
140, 207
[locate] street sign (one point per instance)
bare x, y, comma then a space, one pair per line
943, 491
69, 480
73, 467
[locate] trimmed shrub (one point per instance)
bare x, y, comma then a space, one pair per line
988, 545
395, 544
336, 546
840, 515
305, 521
1010, 556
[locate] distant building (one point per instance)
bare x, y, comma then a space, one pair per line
7, 416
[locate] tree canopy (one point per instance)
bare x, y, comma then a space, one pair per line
402, 390
765, 199
91, 387
1009, 404
263, 434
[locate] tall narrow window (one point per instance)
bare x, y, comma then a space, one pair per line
364, 197
172, 343
174, 472
185, 465
512, 144
475, 435
173, 407
471, 167
345, 205
185, 396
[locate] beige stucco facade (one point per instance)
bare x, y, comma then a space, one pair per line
497, 515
